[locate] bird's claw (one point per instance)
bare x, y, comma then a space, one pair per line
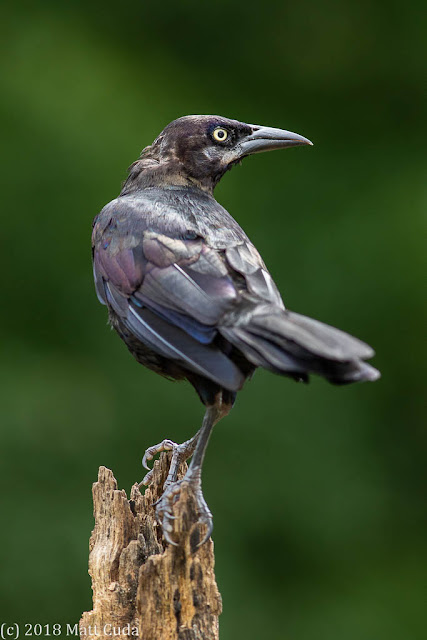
164, 511
180, 453
165, 445
206, 518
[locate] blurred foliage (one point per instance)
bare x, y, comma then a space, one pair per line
318, 493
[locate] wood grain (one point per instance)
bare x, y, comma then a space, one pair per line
143, 587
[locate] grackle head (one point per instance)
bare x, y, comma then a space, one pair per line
198, 150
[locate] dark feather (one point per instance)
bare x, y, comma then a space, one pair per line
180, 277
172, 342
296, 331
292, 344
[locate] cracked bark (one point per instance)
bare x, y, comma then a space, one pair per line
143, 587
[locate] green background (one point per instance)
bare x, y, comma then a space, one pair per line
318, 492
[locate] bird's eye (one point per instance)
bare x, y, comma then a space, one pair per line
220, 135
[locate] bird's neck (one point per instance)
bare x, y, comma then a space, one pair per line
149, 172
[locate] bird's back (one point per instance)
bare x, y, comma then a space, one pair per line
190, 295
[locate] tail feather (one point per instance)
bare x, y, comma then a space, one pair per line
295, 345
264, 353
311, 335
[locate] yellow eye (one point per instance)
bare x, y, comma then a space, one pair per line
220, 135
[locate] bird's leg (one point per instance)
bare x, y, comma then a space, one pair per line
180, 453
164, 508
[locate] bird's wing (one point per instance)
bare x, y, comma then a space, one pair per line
185, 277
172, 290
182, 292
243, 258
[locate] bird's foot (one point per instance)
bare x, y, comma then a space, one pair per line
164, 508
165, 445
180, 453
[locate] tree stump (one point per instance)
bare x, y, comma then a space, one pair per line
142, 586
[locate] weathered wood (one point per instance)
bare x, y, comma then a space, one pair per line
141, 585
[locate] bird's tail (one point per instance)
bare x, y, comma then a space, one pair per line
294, 345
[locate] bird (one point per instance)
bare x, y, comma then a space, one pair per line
190, 295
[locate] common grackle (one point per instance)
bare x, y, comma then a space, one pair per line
189, 293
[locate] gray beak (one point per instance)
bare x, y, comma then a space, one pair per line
268, 138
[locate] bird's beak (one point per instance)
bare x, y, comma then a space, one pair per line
268, 138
